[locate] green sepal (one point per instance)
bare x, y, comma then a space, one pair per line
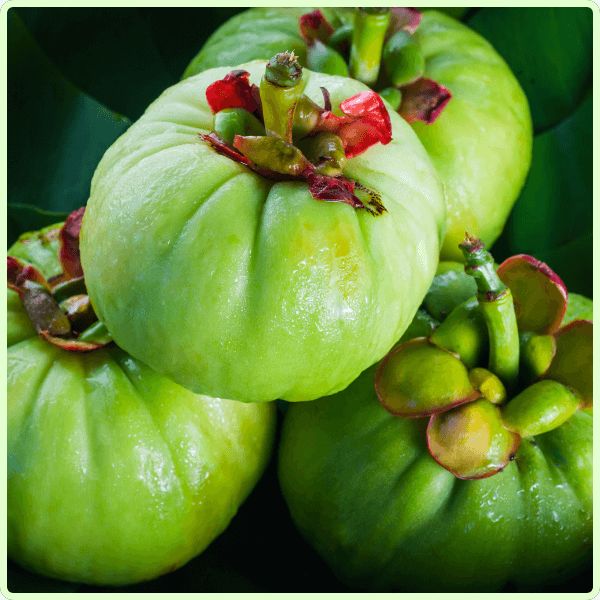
326, 151
450, 287
393, 96
229, 122
324, 59
536, 354
418, 379
403, 59
464, 332
470, 440
488, 384
540, 408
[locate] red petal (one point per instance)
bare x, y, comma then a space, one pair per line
214, 140
233, 91
19, 274
326, 98
403, 19
69, 245
255, 91
539, 295
72, 345
14, 268
365, 123
314, 26
423, 100
373, 123
332, 189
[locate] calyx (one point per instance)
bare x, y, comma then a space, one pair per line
59, 308
398, 58
281, 134
537, 376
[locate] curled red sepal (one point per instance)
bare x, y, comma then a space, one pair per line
403, 19
214, 140
539, 294
69, 245
326, 99
366, 121
333, 189
233, 91
314, 26
71, 345
423, 100
19, 274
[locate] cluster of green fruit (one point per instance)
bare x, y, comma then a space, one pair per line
272, 231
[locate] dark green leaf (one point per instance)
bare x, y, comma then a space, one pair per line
124, 57
23, 218
573, 262
109, 53
548, 49
56, 133
552, 219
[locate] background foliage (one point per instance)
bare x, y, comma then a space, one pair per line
78, 77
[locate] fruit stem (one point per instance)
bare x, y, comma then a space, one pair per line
280, 89
370, 26
496, 303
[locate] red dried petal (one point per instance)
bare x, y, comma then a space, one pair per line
314, 26
255, 91
69, 245
423, 100
332, 189
539, 294
403, 19
373, 123
366, 121
14, 268
72, 345
214, 140
19, 274
326, 98
233, 91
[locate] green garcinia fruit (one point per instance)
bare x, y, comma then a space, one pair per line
115, 474
403, 504
216, 264
480, 143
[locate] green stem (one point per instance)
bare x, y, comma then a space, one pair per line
393, 96
280, 89
96, 333
496, 303
370, 25
72, 287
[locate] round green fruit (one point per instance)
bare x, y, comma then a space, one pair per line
116, 474
366, 493
481, 142
240, 287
